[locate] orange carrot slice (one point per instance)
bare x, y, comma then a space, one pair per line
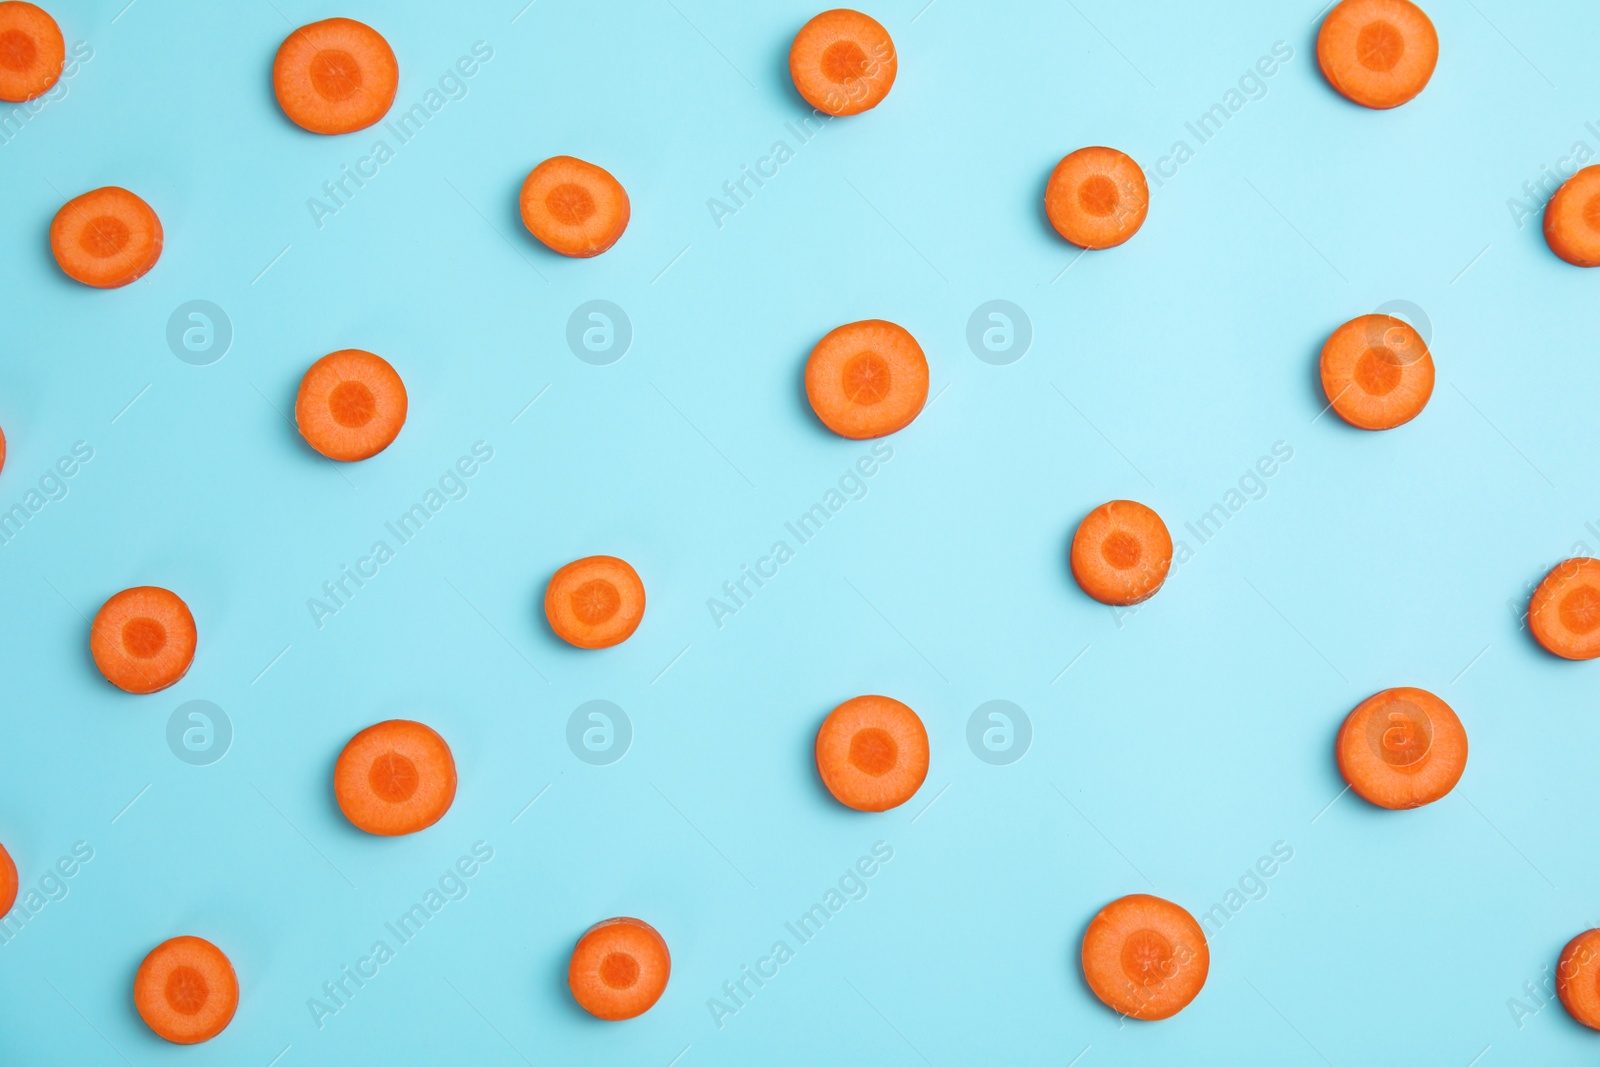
619, 969
335, 76
31, 51
395, 777
2, 450
1145, 957
872, 753
8, 882
595, 602
106, 238
1578, 978
574, 207
1402, 748
1121, 552
143, 639
1572, 219
1377, 53
1377, 372
867, 379
1097, 197
843, 62
351, 405
186, 990
1564, 613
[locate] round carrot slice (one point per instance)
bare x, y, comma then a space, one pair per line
872, 753
1145, 957
351, 405
1578, 978
867, 379
186, 990
1572, 219
1377, 372
843, 62
395, 777
594, 602
2, 450
1378, 53
1097, 197
1402, 748
335, 76
31, 51
1121, 552
106, 238
1564, 613
143, 639
574, 207
8, 882
619, 969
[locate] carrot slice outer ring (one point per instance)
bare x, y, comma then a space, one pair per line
619, 969
872, 753
843, 62
1145, 957
8, 882
106, 238
186, 990
1402, 748
143, 639
1572, 219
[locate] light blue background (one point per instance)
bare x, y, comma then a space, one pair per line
1188, 738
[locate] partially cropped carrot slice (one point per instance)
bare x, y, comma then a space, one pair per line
619, 969
31, 51
186, 990
8, 881
143, 639
1402, 748
395, 777
1145, 957
574, 207
335, 76
351, 405
1121, 552
1097, 197
595, 602
872, 753
1572, 219
2, 450
843, 62
867, 379
1378, 53
1564, 613
1377, 372
106, 238
1578, 978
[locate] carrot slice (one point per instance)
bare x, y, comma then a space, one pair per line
1402, 748
351, 405
843, 62
1121, 552
1145, 957
2, 450
1578, 978
595, 602
1377, 53
1572, 219
106, 238
872, 753
395, 777
335, 76
1097, 197
1377, 372
143, 639
31, 51
1564, 613
619, 969
867, 379
186, 990
574, 207
8, 881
